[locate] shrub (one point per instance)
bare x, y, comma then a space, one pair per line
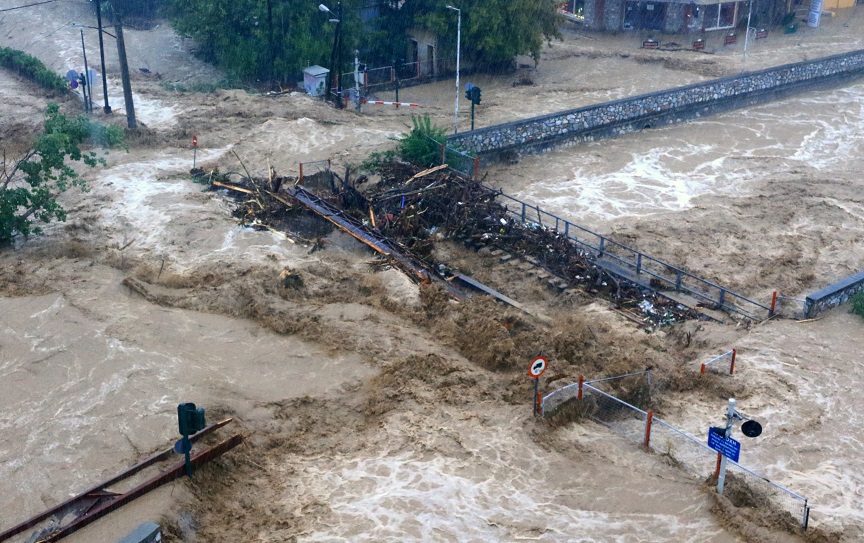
422, 146
29, 187
858, 303
32, 68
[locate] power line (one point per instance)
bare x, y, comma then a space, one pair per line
28, 5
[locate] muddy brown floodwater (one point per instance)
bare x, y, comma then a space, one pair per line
368, 413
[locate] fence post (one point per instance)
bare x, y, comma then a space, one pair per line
602, 244
523, 211
648, 420
581, 382
773, 303
806, 519
443, 153
638, 263
566, 229
703, 368
301, 174
476, 166
717, 470
722, 297
678, 278
732, 365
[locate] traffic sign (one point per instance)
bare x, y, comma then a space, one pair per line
538, 366
194, 141
182, 446
751, 428
726, 446
73, 84
71, 75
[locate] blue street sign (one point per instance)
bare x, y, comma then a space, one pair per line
182, 446
726, 446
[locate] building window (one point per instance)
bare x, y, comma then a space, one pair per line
720, 16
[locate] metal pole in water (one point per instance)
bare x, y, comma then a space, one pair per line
730, 417
747, 33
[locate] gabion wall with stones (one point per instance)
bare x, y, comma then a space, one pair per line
648, 110
834, 295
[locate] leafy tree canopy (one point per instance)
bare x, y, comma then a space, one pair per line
29, 186
275, 40
264, 39
493, 31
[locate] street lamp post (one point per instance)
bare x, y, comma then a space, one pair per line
458, 48
337, 48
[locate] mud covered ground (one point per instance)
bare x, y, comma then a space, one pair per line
376, 410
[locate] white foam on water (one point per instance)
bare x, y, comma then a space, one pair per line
667, 169
649, 181
140, 186
496, 487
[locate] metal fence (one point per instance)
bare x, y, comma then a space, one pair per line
316, 176
382, 77
681, 449
631, 263
725, 363
457, 160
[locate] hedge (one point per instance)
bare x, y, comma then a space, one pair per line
31, 68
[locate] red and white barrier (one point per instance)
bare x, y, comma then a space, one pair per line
380, 103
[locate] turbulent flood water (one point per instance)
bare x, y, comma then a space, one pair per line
666, 169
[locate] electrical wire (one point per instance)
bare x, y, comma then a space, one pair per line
28, 5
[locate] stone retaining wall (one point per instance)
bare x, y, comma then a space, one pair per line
539, 134
834, 295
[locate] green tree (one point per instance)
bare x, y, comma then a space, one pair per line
493, 31
264, 39
30, 185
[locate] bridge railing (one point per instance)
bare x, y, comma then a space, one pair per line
662, 275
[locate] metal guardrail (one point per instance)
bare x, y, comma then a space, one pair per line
689, 452
636, 262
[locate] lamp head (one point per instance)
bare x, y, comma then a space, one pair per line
323, 8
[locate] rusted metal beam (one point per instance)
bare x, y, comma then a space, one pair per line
374, 240
96, 490
176, 472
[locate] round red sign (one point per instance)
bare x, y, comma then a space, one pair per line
537, 367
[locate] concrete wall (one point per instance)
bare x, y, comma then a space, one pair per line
539, 134
834, 295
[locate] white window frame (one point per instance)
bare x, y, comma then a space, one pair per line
717, 20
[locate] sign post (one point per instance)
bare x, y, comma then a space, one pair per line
535, 370
194, 150
730, 417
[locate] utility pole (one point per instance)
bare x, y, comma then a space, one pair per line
107, 108
124, 70
747, 33
339, 57
336, 53
88, 102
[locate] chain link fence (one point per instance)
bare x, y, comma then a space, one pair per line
584, 400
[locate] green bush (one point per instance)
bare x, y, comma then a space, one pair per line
30, 186
858, 303
32, 68
422, 146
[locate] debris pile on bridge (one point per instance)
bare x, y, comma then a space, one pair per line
416, 208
